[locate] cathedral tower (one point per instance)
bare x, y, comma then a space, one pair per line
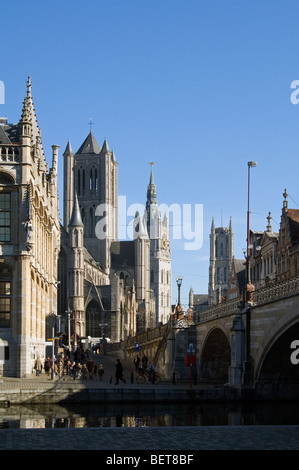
92, 173
221, 255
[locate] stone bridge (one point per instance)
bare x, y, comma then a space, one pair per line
229, 336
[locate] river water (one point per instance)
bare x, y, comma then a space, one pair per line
149, 415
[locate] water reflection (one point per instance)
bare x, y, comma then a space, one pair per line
148, 415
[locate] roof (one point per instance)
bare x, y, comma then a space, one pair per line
89, 145
76, 220
9, 134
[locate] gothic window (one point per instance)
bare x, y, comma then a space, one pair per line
218, 275
96, 181
5, 217
5, 296
91, 222
79, 183
221, 249
152, 276
224, 275
90, 182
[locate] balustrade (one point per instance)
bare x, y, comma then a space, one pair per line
9, 153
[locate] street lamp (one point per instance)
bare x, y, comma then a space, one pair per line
179, 281
68, 313
250, 165
248, 289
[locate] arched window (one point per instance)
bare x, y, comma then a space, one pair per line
5, 296
221, 249
5, 217
152, 276
91, 222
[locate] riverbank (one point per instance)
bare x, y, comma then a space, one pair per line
62, 390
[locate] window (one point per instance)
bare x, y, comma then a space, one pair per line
221, 249
5, 217
5, 296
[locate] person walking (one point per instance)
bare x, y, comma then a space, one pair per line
144, 361
47, 365
151, 372
38, 366
136, 362
90, 367
101, 371
119, 372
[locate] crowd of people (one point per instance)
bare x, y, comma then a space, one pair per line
80, 365
77, 364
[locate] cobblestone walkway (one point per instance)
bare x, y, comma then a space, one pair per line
175, 438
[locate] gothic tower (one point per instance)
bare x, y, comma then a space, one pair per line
160, 257
92, 173
76, 269
221, 255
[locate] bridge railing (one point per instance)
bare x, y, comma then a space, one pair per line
215, 311
276, 290
271, 292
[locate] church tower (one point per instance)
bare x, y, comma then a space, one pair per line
160, 257
76, 269
221, 255
92, 174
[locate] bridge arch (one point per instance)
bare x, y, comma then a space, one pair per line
215, 357
276, 376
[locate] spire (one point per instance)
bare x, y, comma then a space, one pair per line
269, 218
68, 150
76, 220
151, 189
285, 202
105, 148
139, 228
89, 145
29, 87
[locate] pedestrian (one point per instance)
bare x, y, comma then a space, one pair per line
137, 362
119, 372
74, 370
101, 371
90, 367
47, 365
84, 372
151, 372
144, 361
38, 366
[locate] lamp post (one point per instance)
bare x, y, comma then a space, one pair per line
179, 281
250, 165
68, 313
248, 289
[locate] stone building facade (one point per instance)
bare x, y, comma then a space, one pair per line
29, 242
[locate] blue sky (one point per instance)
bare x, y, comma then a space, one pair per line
198, 87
